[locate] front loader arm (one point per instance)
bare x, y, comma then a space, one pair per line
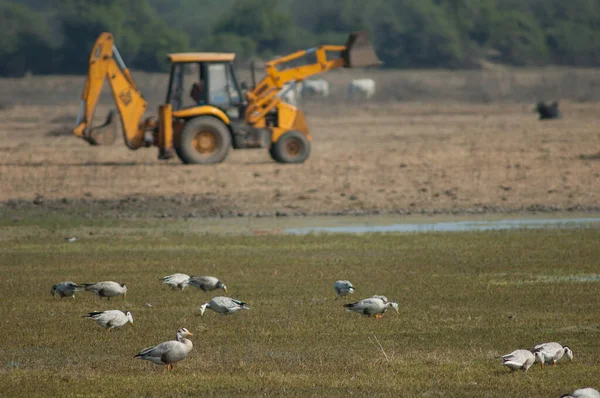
106, 63
264, 97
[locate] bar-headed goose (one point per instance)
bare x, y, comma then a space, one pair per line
64, 289
110, 319
169, 352
521, 359
207, 283
106, 289
553, 352
372, 306
177, 280
587, 392
343, 288
224, 305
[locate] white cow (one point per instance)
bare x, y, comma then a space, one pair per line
288, 93
315, 88
361, 88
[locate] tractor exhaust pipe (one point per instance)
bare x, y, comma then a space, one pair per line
359, 52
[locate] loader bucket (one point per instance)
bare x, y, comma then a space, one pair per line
105, 134
359, 52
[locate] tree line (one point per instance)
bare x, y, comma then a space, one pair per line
43, 37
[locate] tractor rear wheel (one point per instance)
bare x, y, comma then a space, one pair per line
291, 147
203, 140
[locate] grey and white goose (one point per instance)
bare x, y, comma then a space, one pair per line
553, 352
106, 289
343, 287
111, 319
587, 392
521, 359
224, 305
207, 283
169, 352
178, 280
372, 306
64, 289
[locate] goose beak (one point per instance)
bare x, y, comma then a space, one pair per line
190, 334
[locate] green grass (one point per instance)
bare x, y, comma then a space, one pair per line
456, 292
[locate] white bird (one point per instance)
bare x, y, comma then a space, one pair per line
178, 280
224, 305
385, 299
587, 392
106, 289
521, 359
169, 352
207, 283
343, 288
64, 289
553, 352
110, 319
372, 306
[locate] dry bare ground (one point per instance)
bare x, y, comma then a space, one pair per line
475, 147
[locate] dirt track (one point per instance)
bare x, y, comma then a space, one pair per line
390, 157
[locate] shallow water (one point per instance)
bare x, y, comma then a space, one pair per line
452, 226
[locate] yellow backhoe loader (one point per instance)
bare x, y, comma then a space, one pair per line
217, 113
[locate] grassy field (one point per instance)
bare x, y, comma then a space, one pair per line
464, 298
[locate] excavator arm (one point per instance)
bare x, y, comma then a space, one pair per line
264, 97
106, 63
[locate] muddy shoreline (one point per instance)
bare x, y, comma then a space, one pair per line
198, 207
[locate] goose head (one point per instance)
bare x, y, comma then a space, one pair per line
568, 353
53, 290
220, 285
129, 317
183, 333
203, 308
394, 305
124, 290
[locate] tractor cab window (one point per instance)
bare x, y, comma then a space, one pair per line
222, 90
186, 86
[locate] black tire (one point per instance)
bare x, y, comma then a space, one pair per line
203, 140
291, 147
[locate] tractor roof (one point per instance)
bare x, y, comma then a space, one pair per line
201, 57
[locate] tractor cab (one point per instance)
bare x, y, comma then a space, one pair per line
199, 79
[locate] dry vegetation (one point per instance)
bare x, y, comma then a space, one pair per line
464, 298
444, 150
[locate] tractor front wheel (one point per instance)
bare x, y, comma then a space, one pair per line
291, 147
203, 140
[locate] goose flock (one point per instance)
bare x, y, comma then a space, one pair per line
173, 351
